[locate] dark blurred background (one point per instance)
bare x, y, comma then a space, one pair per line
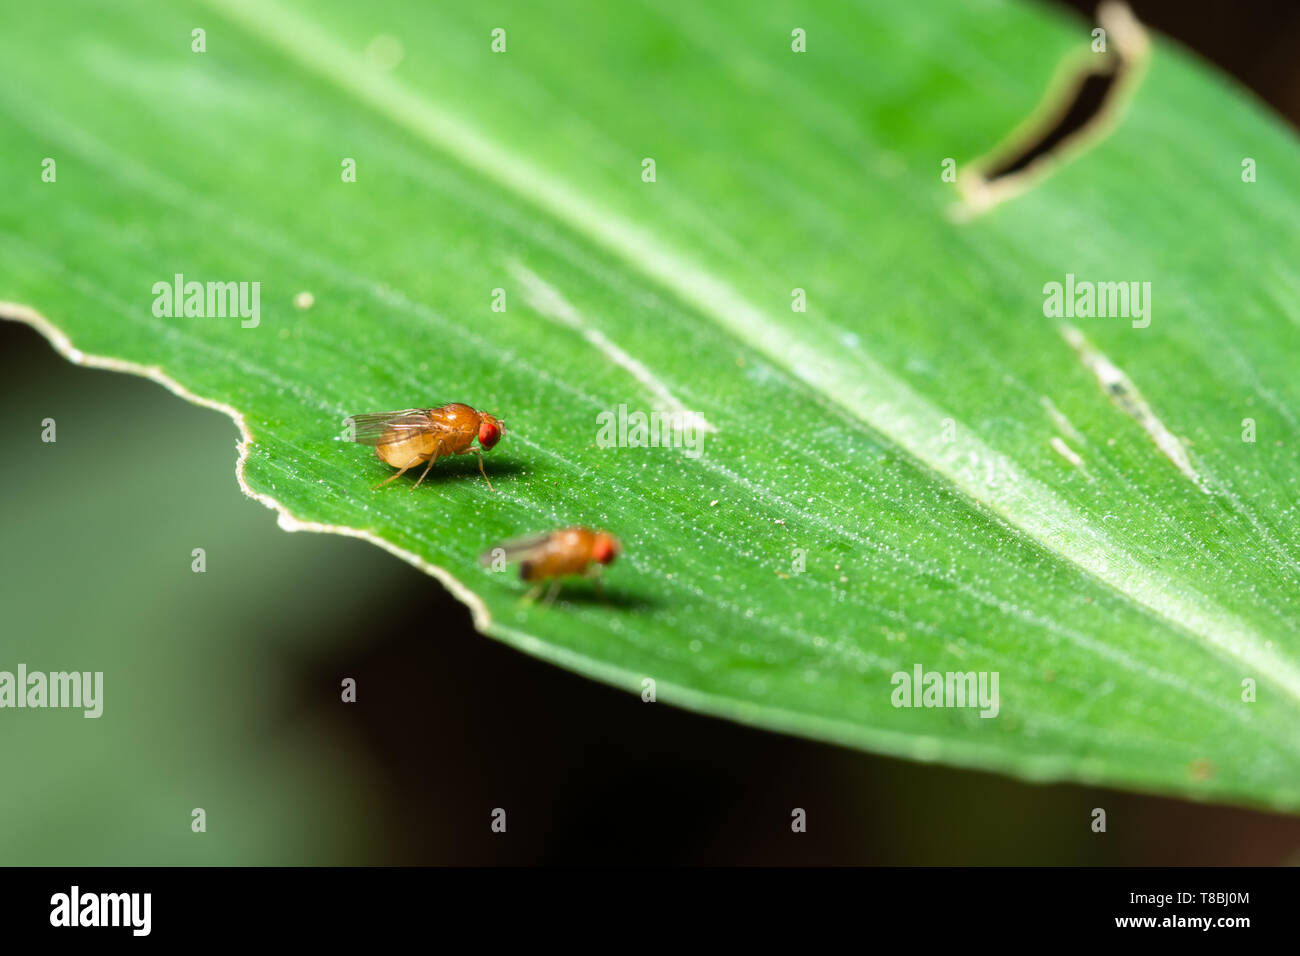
222, 689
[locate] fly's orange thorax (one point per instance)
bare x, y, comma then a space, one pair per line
457, 425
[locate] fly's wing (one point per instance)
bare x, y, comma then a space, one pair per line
517, 549
371, 429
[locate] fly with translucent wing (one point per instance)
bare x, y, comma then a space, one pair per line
557, 554
414, 436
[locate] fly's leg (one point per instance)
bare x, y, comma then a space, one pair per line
437, 450
597, 580
405, 468
553, 590
480, 469
532, 594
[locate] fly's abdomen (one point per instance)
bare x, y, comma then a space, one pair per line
401, 453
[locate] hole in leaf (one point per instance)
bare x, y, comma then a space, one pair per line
1090, 96
1079, 111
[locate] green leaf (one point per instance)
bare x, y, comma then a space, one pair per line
971, 486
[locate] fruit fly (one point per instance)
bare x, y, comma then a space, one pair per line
557, 554
413, 436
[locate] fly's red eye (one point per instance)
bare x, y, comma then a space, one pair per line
604, 549
489, 433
